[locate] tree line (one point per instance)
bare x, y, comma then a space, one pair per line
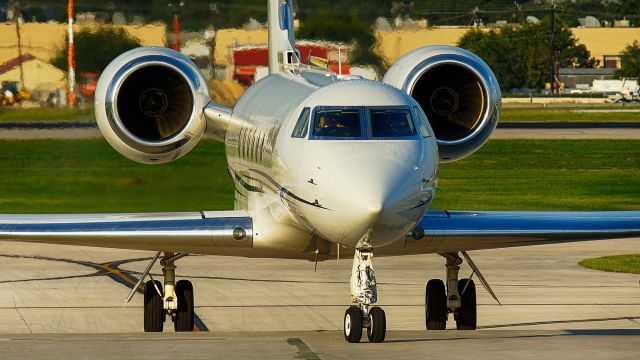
198, 14
520, 55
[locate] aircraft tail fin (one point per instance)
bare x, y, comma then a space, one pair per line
282, 49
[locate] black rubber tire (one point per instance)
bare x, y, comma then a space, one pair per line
184, 319
377, 325
435, 305
153, 308
467, 314
353, 324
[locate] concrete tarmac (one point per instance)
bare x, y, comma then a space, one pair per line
307, 345
257, 308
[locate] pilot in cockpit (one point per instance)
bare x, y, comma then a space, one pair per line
327, 124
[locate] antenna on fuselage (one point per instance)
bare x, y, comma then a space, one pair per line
282, 49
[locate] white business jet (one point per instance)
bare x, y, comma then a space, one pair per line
321, 163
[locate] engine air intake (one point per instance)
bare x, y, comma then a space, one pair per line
453, 98
457, 91
149, 104
154, 103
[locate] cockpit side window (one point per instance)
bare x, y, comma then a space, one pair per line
424, 128
302, 126
392, 123
337, 123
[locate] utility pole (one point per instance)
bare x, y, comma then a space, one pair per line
476, 21
176, 24
214, 16
17, 14
71, 61
556, 72
552, 79
176, 33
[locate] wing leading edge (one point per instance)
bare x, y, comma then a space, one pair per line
170, 232
451, 231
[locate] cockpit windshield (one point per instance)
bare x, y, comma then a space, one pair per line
344, 123
362, 123
391, 123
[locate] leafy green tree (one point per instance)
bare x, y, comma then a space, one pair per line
96, 48
198, 14
520, 55
630, 61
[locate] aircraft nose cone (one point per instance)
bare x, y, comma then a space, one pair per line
368, 200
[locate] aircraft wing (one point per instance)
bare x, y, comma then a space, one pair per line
451, 231
192, 232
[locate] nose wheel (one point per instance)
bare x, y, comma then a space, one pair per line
377, 325
353, 324
364, 294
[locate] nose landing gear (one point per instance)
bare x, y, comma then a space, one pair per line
364, 294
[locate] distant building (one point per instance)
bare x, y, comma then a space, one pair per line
249, 63
39, 76
604, 44
583, 78
43, 40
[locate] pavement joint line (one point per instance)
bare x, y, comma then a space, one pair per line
15, 306
569, 321
110, 269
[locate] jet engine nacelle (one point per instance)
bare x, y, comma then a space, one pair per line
149, 104
458, 92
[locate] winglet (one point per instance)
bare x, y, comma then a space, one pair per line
282, 49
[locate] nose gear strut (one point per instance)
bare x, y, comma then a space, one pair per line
364, 293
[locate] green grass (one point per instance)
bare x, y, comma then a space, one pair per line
569, 114
13, 114
544, 175
50, 176
509, 114
617, 263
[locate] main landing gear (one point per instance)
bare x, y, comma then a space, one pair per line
364, 294
458, 298
174, 299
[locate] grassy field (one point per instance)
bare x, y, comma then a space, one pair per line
544, 175
49, 176
618, 263
608, 113
12, 114
510, 113
88, 176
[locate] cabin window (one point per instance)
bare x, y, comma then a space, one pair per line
337, 123
391, 123
302, 126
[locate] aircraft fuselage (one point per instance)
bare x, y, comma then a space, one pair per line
364, 183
